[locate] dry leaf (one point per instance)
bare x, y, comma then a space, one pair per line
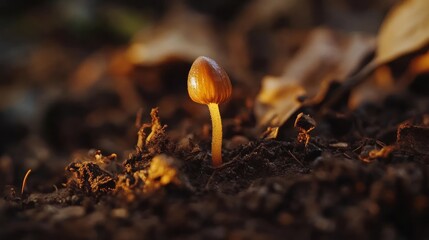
405, 30
183, 34
326, 56
277, 101
270, 133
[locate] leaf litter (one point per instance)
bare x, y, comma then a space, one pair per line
361, 174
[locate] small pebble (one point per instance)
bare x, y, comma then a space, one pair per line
120, 213
339, 145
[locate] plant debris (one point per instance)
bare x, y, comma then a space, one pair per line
304, 123
71, 89
24, 181
89, 178
397, 38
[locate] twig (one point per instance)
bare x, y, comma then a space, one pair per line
209, 180
382, 144
296, 159
24, 181
139, 115
215, 169
224, 165
359, 147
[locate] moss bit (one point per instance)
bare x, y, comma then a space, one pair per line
209, 84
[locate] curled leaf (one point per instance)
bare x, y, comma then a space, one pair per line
405, 30
277, 101
326, 56
182, 34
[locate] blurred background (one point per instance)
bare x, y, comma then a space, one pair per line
74, 73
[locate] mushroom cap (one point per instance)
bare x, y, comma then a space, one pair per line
208, 82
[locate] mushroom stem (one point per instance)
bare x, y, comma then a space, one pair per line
216, 134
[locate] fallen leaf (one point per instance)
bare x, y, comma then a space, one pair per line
326, 56
405, 30
182, 34
277, 101
270, 133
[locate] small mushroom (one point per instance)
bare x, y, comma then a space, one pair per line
209, 84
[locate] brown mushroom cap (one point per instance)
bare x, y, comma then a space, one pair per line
208, 82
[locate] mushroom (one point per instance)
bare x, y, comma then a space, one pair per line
209, 84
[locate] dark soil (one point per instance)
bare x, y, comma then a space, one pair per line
363, 175
69, 84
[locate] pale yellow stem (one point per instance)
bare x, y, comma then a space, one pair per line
216, 134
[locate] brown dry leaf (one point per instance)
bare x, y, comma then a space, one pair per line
183, 34
270, 133
326, 56
405, 30
277, 101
